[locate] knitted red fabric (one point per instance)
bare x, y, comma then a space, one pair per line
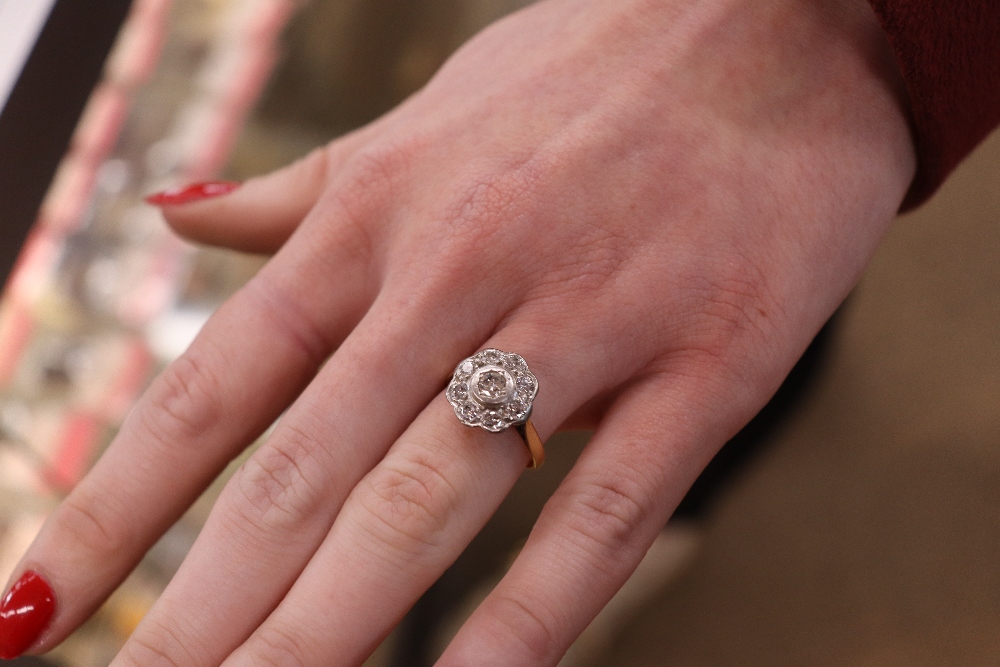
949, 54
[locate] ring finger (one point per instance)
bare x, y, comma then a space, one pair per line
409, 518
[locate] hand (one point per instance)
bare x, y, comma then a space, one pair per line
657, 204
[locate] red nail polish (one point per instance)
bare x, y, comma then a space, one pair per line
24, 614
192, 193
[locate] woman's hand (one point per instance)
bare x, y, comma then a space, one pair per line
656, 203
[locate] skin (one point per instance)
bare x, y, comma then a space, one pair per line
656, 203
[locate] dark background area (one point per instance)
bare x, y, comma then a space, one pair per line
43, 109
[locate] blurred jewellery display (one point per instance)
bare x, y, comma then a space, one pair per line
494, 390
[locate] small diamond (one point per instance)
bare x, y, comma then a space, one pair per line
514, 410
469, 412
490, 356
467, 367
515, 362
493, 421
526, 385
458, 392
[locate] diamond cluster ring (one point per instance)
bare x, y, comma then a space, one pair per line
494, 390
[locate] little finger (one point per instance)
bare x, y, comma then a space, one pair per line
593, 532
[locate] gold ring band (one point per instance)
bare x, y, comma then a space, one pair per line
530, 436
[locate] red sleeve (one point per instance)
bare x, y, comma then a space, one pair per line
949, 54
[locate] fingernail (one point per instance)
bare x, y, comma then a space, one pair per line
192, 193
24, 614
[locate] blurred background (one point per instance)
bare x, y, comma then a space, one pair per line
863, 532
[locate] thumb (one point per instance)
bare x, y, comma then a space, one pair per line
258, 215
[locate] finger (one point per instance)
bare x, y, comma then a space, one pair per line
252, 358
277, 509
408, 520
595, 529
261, 214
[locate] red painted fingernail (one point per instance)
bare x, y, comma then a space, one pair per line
192, 193
24, 614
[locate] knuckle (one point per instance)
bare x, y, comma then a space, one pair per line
157, 645
607, 512
479, 217
364, 188
92, 524
531, 623
412, 500
277, 487
589, 264
372, 171
601, 252
276, 646
732, 308
312, 169
286, 315
476, 232
185, 399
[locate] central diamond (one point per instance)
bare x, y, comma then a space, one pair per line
492, 385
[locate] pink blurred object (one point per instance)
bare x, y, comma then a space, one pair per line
140, 44
74, 450
133, 278
95, 137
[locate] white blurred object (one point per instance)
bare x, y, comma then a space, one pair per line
16, 540
20, 23
171, 333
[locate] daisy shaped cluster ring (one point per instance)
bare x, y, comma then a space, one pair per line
493, 389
